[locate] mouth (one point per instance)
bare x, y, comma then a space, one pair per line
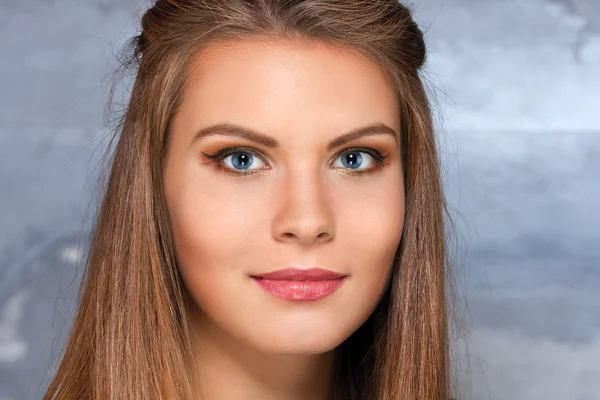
298, 274
300, 284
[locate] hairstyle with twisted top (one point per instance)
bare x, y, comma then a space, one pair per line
129, 338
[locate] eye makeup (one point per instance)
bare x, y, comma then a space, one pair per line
217, 160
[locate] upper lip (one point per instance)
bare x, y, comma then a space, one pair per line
297, 274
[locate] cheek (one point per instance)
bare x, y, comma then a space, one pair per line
216, 237
208, 240
210, 221
373, 223
371, 238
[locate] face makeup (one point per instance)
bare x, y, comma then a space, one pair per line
284, 187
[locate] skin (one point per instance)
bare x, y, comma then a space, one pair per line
301, 205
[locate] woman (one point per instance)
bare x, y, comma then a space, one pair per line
272, 225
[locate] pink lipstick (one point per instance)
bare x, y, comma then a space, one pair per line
300, 284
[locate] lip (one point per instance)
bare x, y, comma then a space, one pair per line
297, 274
300, 284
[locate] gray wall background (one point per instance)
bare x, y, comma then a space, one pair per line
517, 90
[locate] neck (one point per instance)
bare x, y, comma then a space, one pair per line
229, 369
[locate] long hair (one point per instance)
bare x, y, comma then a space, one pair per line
129, 338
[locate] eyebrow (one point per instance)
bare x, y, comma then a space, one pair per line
230, 129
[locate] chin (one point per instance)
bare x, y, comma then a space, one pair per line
302, 341
300, 347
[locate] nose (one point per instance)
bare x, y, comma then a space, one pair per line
304, 213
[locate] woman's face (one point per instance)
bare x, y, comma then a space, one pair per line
293, 197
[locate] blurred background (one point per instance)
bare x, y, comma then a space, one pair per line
516, 91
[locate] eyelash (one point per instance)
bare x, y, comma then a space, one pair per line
219, 156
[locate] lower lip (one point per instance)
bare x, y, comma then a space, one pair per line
300, 290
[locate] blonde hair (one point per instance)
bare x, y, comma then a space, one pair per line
129, 338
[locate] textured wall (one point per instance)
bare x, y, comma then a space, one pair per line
517, 91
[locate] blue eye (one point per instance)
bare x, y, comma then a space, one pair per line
242, 160
354, 160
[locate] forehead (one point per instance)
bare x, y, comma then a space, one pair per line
288, 86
